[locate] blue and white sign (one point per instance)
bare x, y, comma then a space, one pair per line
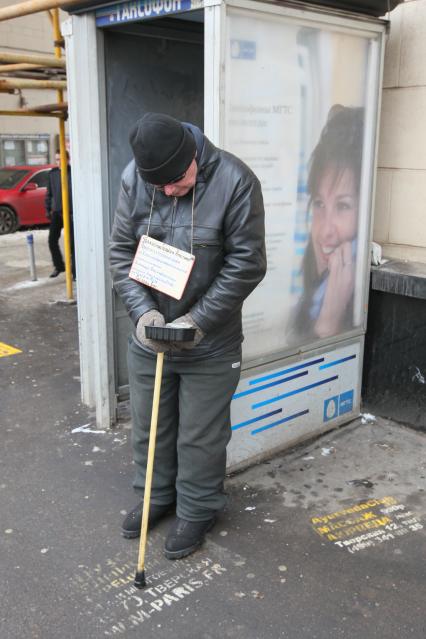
286, 404
338, 405
346, 402
143, 10
243, 49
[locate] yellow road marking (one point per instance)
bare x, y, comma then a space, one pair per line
6, 350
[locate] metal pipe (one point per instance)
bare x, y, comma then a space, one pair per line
37, 74
39, 60
48, 108
25, 83
38, 114
30, 245
64, 171
33, 6
7, 68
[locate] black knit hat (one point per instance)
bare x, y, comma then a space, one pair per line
162, 146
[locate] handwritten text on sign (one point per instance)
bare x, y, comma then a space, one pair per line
161, 266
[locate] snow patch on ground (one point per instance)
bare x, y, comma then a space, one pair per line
26, 284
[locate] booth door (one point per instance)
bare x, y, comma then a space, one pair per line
154, 66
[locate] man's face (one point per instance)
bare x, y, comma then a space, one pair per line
184, 185
58, 159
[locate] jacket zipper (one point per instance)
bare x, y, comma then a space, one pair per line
174, 209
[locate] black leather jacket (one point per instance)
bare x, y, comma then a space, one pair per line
53, 199
228, 245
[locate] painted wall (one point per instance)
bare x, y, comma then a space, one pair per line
401, 186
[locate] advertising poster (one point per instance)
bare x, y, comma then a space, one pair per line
294, 112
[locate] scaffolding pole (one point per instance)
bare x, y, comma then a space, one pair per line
28, 112
64, 170
48, 108
8, 68
24, 83
34, 6
9, 85
39, 60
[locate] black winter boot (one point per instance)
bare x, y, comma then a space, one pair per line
186, 536
56, 272
131, 526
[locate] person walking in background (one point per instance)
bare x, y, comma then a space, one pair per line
53, 204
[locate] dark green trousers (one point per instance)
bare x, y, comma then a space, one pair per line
193, 429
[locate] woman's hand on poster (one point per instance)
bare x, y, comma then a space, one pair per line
339, 291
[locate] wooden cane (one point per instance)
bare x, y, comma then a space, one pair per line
140, 572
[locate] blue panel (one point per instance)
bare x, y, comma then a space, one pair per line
256, 419
276, 383
295, 392
258, 380
336, 362
281, 421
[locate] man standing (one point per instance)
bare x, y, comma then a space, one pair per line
183, 191
53, 204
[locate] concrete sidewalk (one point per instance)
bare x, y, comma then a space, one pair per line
327, 540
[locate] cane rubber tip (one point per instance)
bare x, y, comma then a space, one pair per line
140, 579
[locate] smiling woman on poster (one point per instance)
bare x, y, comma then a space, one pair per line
326, 306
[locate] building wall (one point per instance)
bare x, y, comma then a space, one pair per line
32, 34
401, 185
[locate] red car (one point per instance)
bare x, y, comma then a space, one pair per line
22, 193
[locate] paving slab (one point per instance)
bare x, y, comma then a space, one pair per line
325, 540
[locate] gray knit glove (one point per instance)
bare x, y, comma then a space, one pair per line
151, 318
186, 320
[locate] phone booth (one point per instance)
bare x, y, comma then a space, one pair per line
295, 93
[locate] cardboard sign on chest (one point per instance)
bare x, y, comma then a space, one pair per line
162, 267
